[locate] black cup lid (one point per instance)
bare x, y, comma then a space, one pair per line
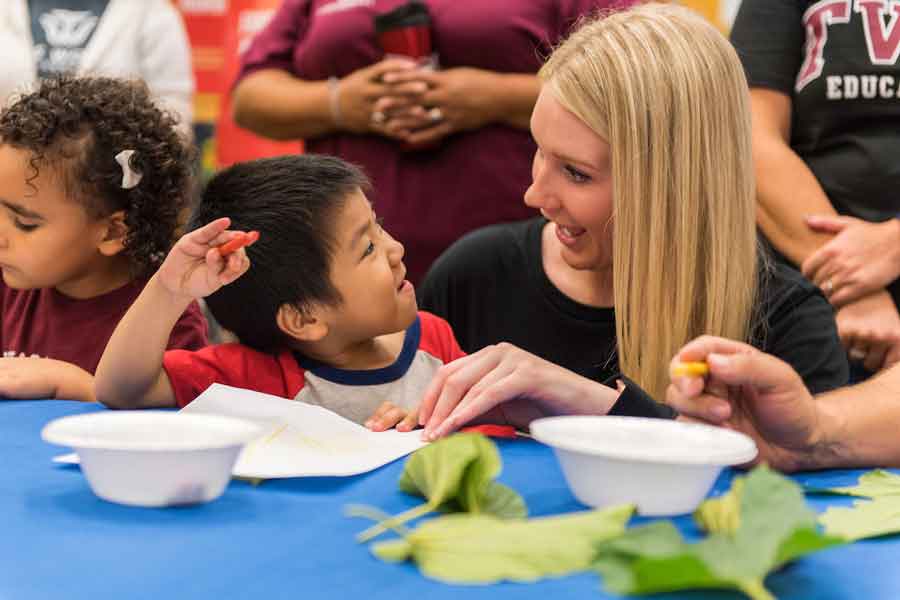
411, 14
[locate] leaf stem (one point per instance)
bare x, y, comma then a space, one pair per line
755, 589
393, 522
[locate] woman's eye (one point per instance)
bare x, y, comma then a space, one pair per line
24, 226
369, 249
576, 175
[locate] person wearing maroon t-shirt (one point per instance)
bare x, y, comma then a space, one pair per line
317, 72
93, 178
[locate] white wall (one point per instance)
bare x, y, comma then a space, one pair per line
727, 11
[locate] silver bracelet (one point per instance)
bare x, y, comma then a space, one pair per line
334, 99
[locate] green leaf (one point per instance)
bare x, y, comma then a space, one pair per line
503, 502
480, 473
440, 471
393, 551
481, 549
874, 484
759, 525
722, 514
867, 518
455, 474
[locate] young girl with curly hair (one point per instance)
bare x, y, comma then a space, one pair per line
93, 179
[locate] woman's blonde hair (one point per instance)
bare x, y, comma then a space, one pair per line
667, 92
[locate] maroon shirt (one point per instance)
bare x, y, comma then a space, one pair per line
46, 323
427, 198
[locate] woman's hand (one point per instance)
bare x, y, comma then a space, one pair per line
504, 384
870, 331
359, 93
194, 267
862, 257
458, 99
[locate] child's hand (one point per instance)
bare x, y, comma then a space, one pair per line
24, 377
389, 415
194, 266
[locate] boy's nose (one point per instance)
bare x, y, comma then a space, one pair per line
396, 251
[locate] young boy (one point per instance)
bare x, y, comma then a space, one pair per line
319, 303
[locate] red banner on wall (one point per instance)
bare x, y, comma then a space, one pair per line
219, 30
245, 19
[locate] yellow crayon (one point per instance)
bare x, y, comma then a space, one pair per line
690, 369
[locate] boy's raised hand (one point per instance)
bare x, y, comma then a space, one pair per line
195, 267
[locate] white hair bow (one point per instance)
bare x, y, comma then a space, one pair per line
130, 177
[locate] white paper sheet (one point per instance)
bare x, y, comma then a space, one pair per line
301, 440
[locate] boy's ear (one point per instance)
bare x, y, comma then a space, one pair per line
112, 234
305, 326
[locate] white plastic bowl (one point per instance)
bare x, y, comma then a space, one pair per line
149, 458
661, 466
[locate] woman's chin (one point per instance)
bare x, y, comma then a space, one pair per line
583, 261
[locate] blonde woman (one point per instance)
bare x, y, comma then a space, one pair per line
644, 180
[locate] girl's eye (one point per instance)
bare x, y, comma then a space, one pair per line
369, 249
26, 227
576, 175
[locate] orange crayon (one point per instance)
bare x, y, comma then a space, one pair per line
690, 369
240, 241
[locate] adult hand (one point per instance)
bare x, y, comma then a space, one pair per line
870, 331
752, 392
195, 269
458, 99
359, 92
504, 384
862, 257
24, 377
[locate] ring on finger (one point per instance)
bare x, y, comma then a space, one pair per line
857, 354
828, 286
435, 114
377, 117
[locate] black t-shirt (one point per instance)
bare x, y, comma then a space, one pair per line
61, 30
838, 63
491, 287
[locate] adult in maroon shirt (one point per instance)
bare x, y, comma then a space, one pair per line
317, 72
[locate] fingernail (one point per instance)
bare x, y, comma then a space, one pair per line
718, 360
721, 411
368, 424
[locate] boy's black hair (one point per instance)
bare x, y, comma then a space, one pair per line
77, 125
293, 201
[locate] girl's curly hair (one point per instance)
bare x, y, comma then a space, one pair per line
77, 125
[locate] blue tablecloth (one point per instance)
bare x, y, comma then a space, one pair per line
289, 538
